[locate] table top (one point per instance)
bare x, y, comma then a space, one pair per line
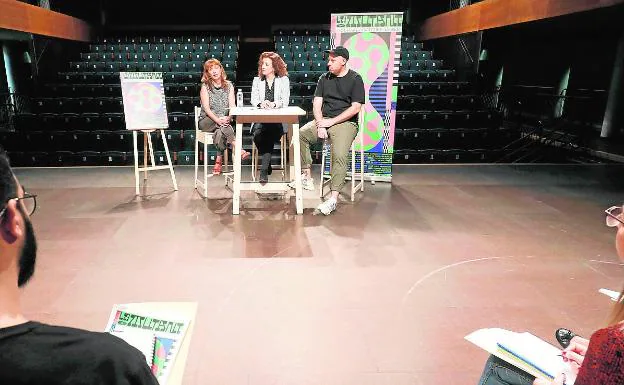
255, 111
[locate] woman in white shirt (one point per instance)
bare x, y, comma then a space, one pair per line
270, 89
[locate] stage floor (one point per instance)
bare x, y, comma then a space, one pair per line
381, 292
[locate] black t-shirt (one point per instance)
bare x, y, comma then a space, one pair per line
339, 92
35, 353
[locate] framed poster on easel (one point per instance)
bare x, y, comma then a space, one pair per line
145, 110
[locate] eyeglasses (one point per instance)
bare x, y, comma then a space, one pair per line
28, 200
614, 216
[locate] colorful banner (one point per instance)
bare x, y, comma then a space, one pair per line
144, 102
374, 44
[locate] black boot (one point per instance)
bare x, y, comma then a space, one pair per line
265, 168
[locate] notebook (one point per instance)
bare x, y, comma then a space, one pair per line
523, 350
534, 351
142, 340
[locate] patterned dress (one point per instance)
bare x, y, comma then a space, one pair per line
219, 104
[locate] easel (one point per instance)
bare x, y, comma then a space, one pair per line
147, 147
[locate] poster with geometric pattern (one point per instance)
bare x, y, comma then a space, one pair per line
374, 44
144, 103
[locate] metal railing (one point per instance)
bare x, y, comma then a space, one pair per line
11, 104
542, 119
465, 49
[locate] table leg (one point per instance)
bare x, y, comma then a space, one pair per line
237, 168
297, 171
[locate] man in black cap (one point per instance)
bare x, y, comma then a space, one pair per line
338, 98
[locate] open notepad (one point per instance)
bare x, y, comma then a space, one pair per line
158, 338
523, 350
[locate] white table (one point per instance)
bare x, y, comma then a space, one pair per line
288, 115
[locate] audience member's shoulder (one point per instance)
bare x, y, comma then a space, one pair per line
616, 331
85, 339
611, 335
91, 357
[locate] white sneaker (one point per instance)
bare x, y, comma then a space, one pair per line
306, 182
327, 207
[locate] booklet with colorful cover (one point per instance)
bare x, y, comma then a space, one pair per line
158, 338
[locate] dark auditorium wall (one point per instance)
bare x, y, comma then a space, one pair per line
256, 15
88, 11
539, 53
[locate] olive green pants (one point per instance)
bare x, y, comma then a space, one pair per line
341, 136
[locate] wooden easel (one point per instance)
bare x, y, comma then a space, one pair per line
147, 147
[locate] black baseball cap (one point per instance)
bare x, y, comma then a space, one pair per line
339, 51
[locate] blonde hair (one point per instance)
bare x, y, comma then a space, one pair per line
279, 66
206, 74
617, 313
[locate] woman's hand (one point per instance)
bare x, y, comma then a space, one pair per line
267, 104
576, 351
223, 121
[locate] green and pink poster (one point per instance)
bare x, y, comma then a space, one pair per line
374, 44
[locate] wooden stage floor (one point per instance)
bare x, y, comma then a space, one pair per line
381, 292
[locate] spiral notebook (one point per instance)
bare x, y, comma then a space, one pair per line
523, 350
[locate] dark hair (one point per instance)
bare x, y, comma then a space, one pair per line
8, 184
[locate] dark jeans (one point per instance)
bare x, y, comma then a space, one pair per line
499, 372
265, 136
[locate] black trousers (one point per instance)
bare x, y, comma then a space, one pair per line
265, 136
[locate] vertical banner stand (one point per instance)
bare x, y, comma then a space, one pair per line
374, 44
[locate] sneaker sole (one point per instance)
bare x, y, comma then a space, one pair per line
292, 186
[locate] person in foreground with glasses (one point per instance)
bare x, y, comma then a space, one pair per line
599, 361
35, 353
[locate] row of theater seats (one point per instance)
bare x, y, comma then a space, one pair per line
88, 121
420, 65
100, 85
451, 155
90, 57
103, 104
415, 76
62, 107
438, 102
78, 140
446, 119
179, 140
183, 39
301, 48
121, 158
183, 120
146, 66
433, 88
304, 55
74, 89
301, 39
164, 48
441, 138
97, 158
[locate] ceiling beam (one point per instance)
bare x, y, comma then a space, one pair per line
499, 13
18, 16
